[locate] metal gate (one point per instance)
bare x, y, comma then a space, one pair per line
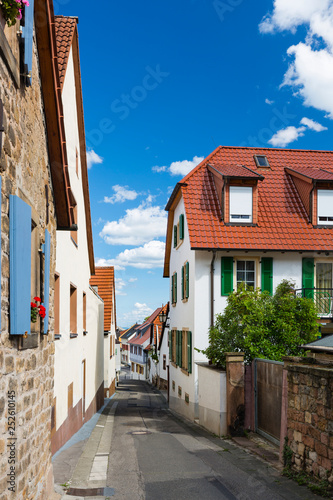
268, 379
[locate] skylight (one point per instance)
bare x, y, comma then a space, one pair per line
261, 160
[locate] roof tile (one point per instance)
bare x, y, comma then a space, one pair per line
65, 28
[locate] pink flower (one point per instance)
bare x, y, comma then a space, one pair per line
19, 15
25, 2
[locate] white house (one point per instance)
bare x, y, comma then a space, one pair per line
124, 338
159, 345
104, 284
243, 215
79, 311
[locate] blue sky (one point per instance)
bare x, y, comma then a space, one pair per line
166, 82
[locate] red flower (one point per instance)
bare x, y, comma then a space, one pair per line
37, 299
33, 304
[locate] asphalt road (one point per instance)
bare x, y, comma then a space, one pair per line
157, 456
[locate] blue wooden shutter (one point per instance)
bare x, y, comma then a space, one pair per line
227, 275
27, 36
308, 277
187, 272
181, 226
183, 283
20, 265
267, 274
47, 250
174, 236
189, 352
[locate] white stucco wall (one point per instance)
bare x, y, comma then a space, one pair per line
196, 313
72, 264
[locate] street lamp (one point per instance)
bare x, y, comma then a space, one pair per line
162, 316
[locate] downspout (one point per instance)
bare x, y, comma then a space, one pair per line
212, 269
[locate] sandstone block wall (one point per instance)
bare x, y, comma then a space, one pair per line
310, 423
25, 171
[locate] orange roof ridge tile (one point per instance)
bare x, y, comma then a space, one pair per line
64, 27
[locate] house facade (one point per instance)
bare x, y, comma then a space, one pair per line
104, 284
243, 215
159, 351
35, 201
79, 310
124, 339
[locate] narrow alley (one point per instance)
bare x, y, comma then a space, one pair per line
136, 449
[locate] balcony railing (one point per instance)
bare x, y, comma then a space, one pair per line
322, 297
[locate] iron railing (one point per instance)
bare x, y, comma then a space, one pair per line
322, 297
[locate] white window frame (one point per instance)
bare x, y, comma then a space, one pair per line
325, 206
238, 197
256, 270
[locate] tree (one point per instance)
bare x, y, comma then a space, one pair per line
263, 326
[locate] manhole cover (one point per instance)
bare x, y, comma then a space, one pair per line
138, 433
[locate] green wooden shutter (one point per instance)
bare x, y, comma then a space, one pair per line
187, 269
181, 226
174, 236
20, 265
47, 255
183, 283
172, 297
175, 292
177, 347
170, 345
267, 274
227, 275
189, 352
180, 348
308, 277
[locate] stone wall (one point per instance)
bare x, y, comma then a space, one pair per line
310, 423
26, 366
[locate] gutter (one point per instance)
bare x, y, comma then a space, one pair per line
212, 269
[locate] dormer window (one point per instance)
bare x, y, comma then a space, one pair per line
240, 204
325, 207
261, 161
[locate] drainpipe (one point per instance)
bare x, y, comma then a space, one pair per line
212, 269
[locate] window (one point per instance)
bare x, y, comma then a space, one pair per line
174, 289
324, 283
74, 217
261, 160
325, 207
245, 273
180, 349
73, 309
178, 231
185, 281
240, 204
84, 305
56, 303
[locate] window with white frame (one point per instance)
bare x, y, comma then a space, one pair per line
325, 207
240, 204
246, 273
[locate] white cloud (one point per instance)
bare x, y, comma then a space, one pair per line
180, 167
310, 73
312, 125
121, 194
132, 280
120, 284
286, 136
107, 263
159, 169
138, 226
149, 256
93, 158
267, 101
138, 314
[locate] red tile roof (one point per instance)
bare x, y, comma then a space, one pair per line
141, 340
235, 170
104, 280
317, 174
65, 28
283, 223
